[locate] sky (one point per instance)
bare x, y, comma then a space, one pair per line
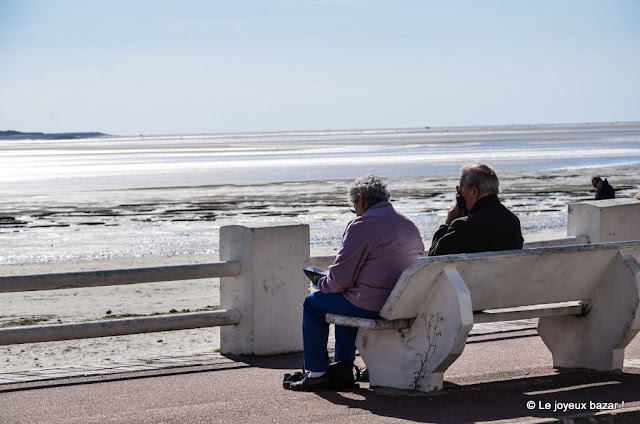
155, 67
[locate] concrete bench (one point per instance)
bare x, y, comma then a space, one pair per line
586, 296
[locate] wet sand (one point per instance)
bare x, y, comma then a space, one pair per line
88, 225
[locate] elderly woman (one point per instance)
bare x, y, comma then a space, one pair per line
376, 247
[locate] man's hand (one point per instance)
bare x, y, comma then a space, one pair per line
454, 213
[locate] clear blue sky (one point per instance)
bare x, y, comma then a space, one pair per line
167, 67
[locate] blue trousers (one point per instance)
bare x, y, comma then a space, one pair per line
315, 330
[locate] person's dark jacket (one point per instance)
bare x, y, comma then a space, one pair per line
489, 227
606, 191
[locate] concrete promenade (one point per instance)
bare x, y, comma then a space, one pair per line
504, 375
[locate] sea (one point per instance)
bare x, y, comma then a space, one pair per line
121, 197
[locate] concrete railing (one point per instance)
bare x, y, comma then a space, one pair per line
261, 283
598, 221
117, 327
603, 221
261, 288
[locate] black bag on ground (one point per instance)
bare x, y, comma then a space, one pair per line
343, 375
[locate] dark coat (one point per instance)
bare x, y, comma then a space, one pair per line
606, 191
489, 226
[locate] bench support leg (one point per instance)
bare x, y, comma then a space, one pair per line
416, 358
598, 339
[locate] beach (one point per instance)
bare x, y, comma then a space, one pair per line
117, 202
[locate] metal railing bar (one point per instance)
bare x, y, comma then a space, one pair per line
114, 277
322, 262
118, 327
564, 241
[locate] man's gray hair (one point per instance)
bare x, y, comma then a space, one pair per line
481, 176
371, 188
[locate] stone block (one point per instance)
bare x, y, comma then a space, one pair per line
269, 290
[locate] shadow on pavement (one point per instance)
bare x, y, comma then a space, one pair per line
276, 362
569, 393
124, 376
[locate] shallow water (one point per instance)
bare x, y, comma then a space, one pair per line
124, 163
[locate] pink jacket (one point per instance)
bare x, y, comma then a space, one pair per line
376, 248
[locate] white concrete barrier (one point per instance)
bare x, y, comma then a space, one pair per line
269, 290
604, 221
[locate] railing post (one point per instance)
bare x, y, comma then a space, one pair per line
269, 290
603, 221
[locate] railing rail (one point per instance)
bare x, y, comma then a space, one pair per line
118, 327
564, 241
114, 277
321, 262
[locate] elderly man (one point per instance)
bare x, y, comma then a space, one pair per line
478, 222
376, 247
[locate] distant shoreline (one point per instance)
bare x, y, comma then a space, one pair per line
17, 135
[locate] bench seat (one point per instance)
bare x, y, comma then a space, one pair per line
531, 311
371, 324
586, 297
489, 315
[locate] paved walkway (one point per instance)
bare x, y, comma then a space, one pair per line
202, 359
504, 375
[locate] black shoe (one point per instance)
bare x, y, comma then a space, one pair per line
308, 384
365, 375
